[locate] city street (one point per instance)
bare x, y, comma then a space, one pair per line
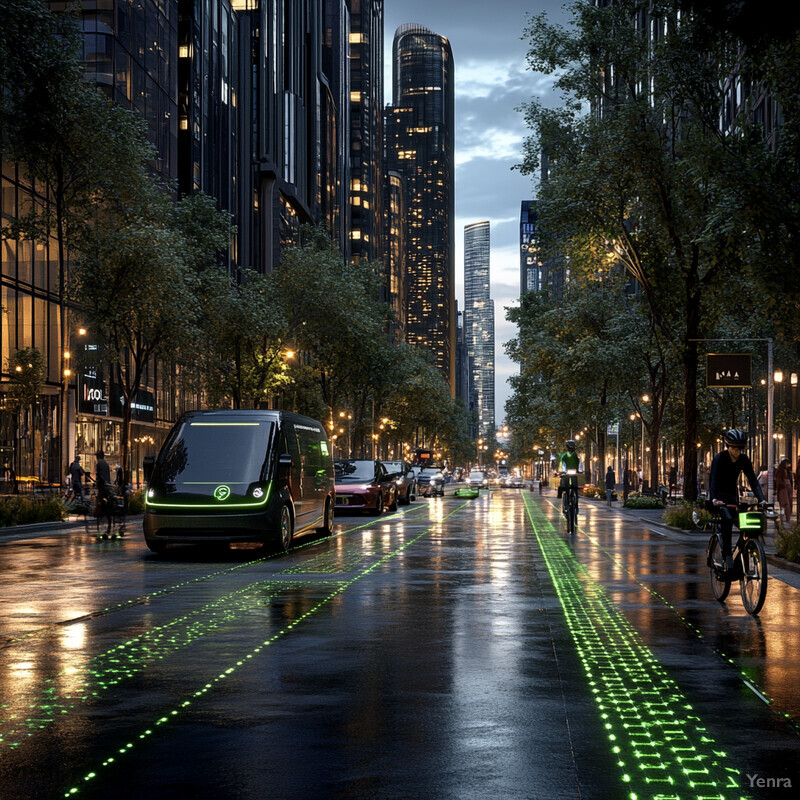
455, 649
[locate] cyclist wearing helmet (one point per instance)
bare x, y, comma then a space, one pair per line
567, 460
725, 470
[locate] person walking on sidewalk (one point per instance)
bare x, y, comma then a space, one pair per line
672, 479
611, 482
783, 488
105, 489
76, 474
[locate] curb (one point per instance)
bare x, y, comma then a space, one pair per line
39, 527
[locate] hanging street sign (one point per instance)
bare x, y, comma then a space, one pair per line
728, 370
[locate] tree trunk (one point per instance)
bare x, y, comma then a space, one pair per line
690, 411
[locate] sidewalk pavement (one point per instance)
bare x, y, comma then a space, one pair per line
654, 516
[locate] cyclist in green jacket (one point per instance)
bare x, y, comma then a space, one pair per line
568, 460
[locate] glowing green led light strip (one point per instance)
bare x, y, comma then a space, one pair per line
146, 598
126, 660
747, 678
659, 744
225, 674
226, 424
218, 506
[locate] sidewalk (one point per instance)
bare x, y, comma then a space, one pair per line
20, 531
654, 517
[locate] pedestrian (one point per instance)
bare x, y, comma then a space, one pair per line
105, 491
784, 489
76, 474
541, 484
763, 478
611, 482
672, 479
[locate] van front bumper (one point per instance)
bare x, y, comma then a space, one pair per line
171, 527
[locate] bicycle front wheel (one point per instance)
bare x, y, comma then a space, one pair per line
753, 583
719, 587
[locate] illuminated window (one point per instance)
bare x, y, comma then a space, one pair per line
356, 38
355, 97
185, 51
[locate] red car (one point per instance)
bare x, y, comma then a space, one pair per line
364, 486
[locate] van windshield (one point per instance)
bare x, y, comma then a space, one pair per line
215, 452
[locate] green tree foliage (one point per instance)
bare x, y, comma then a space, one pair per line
647, 175
27, 369
137, 288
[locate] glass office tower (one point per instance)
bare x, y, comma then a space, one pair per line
479, 324
419, 146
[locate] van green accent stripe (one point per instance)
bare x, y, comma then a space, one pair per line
215, 506
227, 424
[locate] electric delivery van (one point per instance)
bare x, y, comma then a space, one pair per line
239, 476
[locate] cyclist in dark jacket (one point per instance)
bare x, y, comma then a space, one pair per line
724, 489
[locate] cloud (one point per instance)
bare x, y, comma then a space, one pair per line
496, 145
485, 78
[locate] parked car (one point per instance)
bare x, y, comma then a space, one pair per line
363, 485
404, 478
478, 478
430, 481
239, 476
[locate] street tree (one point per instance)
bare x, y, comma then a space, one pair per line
647, 172
137, 295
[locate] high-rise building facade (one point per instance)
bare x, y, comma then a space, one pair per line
394, 246
530, 268
366, 130
479, 324
246, 100
420, 147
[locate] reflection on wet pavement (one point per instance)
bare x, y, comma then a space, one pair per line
454, 649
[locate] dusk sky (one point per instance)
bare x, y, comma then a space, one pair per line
492, 79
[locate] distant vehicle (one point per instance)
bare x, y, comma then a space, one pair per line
423, 458
239, 476
363, 485
404, 478
478, 478
430, 481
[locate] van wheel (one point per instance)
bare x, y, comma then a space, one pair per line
327, 520
287, 528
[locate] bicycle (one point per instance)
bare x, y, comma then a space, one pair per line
749, 558
570, 507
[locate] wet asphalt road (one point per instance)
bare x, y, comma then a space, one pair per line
454, 649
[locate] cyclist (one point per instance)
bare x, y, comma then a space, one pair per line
568, 460
725, 470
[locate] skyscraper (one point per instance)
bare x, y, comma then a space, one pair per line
479, 324
530, 269
419, 146
366, 129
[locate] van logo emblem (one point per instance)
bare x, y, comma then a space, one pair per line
222, 492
